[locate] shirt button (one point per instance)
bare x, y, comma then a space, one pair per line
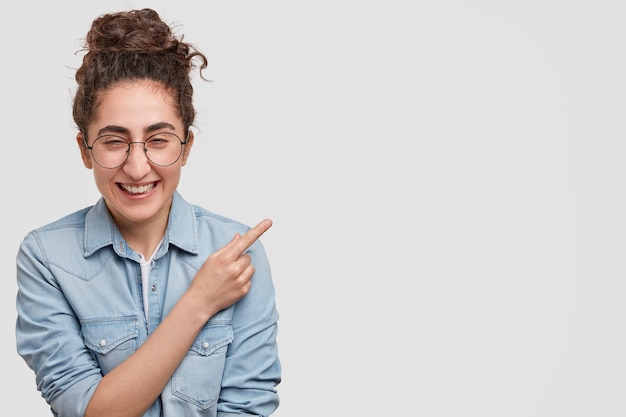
153, 287
103, 343
205, 345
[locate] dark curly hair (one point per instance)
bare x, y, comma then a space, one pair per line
129, 46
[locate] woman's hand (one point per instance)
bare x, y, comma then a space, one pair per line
224, 278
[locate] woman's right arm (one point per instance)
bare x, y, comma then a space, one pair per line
224, 278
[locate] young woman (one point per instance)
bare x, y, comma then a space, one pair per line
143, 304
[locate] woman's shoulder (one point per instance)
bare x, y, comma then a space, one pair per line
57, 235
72, 220
213, 219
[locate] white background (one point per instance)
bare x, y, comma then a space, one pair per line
446, 181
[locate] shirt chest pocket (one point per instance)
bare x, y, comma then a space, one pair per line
110, 340
198, 378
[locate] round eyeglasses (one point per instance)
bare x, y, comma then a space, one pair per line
111, 151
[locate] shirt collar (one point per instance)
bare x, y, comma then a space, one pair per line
101, 231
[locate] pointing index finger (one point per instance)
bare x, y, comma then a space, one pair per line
247, 239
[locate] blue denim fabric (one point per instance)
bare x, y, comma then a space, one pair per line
80, 314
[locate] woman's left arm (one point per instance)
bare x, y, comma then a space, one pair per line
252, 369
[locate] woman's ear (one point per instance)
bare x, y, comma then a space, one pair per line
187, 147
84, 152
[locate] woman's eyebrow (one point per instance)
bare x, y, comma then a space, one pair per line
159, 126
112, 129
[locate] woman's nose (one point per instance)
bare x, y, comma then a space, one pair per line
137, 164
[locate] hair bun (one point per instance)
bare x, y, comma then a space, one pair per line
137, 30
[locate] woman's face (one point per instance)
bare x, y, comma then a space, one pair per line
137, 193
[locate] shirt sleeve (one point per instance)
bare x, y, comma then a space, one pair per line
48, 335
252, 369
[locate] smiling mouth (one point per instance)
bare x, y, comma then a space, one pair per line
141, 189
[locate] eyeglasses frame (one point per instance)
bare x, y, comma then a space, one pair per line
145, 151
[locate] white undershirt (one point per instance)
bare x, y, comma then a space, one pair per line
146, 267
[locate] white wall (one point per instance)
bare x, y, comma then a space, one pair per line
446, 181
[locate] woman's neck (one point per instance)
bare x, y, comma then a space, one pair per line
144, 237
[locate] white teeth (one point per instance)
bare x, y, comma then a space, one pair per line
138, 190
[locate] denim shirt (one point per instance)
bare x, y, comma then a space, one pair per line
81, 313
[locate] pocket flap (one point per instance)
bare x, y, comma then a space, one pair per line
103, 335
211, 338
